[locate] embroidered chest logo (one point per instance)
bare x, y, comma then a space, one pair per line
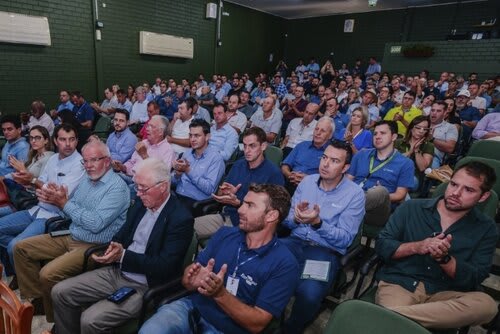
248, 280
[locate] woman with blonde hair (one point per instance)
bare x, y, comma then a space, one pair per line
355, 132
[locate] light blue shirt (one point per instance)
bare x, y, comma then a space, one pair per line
18, 149
373, 68
341, 212
127, 106
67, 105
204, 176
224, 140
68, 171
202, 113
98, 209
121, 145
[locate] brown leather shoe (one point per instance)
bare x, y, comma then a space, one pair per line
38, 306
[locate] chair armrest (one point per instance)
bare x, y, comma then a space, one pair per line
351, 255
157, 294
205, 207
89, 252
373, 261
57, 224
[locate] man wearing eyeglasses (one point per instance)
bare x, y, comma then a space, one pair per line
97, 210
63, 168
148, 250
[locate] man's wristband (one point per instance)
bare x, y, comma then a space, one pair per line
317, 226
444, 260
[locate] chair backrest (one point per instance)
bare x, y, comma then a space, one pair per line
274, 154
359, 317
191, 252
485, 149
102, 126
489, 207
495, 164
16, 316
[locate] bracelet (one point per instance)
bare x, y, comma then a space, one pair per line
444, 260
317, 226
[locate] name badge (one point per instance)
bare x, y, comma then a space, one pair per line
232, 285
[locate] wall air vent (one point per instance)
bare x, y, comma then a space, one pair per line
165, 45
24, 29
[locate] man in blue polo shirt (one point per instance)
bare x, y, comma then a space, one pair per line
254, 168
469, 115
83, 111
384, 174
327, 210
16, 145
242, 280
304, 158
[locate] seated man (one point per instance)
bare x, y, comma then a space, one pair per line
268, 118
242, 280
404, 114
245, 106
179, 128
383, 173
16, 145
300, 129
153, 109
39, 117
149, 250
82, 110
469, 115
156, 146
122, 101
63, 168
108, 104
65, 99
122, 141
438, 251
327, 210
444, 134
488, 127
235, 118
223, 138
139, 113
97, 210
197, 174
254, 168
305, 157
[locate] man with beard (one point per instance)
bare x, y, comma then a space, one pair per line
242, 280
438, 251
468, 114
122, 141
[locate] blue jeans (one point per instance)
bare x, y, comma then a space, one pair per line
173, 318
6, 210
16, 227
309, 293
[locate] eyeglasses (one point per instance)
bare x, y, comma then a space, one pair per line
35, 138
145, 190
91, 161
421, 128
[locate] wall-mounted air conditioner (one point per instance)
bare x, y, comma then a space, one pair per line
24, 29
165, 45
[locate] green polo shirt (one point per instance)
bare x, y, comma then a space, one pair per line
473, 244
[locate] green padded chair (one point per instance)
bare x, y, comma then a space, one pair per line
102, 127
360, 317
485, 149
274, 154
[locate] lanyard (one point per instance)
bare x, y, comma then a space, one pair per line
385, 162
239, 264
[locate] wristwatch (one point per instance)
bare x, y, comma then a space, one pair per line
317, 226
444, 260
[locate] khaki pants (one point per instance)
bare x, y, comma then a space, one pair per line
446, 309
65, 259
207, 225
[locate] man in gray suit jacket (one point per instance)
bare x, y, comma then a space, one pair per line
148, 250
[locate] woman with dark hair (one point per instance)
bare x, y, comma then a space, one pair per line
38, 155
355, 132
416, 147
450, 113
131, 93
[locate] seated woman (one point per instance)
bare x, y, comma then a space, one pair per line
355, 132
351, 98
416, 147
40, 152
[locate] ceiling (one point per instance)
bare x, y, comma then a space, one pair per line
294, 9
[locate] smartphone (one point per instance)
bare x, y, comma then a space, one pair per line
120, 295
59, 233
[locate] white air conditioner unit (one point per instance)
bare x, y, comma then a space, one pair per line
151, 43
24, 29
